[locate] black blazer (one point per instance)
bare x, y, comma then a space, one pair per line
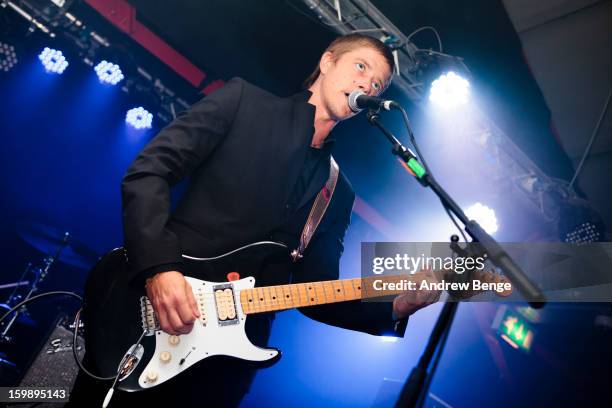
243, 150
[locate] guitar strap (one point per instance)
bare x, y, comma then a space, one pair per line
317, 211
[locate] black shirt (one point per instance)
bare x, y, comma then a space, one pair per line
314, 158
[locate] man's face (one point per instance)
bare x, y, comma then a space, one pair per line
362, 69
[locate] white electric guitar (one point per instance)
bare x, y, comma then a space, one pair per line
123, 335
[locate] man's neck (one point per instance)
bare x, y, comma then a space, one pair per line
323, 123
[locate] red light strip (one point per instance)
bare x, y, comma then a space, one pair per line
123, 16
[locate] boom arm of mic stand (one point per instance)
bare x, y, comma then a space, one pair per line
495, 252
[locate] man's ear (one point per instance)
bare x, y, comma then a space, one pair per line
327, 60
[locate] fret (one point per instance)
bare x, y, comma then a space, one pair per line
326, 298
319, 289
254, 299
244, 301
304, 300
269, 302
310, 293
295, 295
357, 294
337, 293
346, 288
280, 293
245, 295
301, 295
368, 290
272, 301
276, 301
333, 291
260, 300
288, 296
368, 282
329, 293
288, 290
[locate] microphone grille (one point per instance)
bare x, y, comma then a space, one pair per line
352, 101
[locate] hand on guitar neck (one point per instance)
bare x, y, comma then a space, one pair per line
410, 301
173, 302
406, 304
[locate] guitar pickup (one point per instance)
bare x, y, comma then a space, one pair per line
225, 304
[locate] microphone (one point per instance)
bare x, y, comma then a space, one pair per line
358, 101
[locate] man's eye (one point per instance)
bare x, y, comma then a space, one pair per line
360, 66
376, 86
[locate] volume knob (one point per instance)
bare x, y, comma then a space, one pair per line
151, 376
174, 340
165, 356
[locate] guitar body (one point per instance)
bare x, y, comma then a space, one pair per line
117, 312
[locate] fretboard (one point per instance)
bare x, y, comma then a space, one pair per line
282, 297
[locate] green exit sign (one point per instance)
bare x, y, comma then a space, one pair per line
514, 329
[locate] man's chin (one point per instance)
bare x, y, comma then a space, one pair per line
344, 115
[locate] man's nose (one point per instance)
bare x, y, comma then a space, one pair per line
364, 86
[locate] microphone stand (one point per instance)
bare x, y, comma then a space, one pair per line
412, 391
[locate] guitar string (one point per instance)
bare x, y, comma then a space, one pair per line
209, 299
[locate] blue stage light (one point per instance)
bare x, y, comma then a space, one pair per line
8, 57
53, 60
139, 118
450, 90
109, 73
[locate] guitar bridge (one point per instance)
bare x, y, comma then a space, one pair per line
225, 303
149, 321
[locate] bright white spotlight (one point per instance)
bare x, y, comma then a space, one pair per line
139, 118
8, 57
53, 60
450, 90
108, 72
389, 339
484, 216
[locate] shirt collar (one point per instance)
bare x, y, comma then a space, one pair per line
303, 97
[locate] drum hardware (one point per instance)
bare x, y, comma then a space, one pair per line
40, 273
57, 246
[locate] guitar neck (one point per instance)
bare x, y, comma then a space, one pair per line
283, 297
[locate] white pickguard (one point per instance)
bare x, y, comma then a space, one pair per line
205, 340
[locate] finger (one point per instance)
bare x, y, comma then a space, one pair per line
184, 310
177, 324
162, 318
191, 298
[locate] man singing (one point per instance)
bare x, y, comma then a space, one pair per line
255, 164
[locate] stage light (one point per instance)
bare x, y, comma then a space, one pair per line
580, 223
139, 118
484, 216
450, 90
53, 60
389, 339
8, 57
109, 73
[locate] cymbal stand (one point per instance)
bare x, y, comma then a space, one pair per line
40, 273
